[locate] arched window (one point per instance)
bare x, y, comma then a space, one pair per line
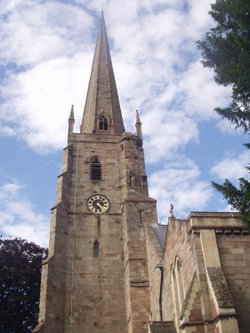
103, 123
95, 169
179, 281
175, 292
96, 249
177, 289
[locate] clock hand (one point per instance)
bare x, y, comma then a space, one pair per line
99, 205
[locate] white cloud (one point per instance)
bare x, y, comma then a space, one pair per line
8, 5
232, 168
178, 183
35, 105
19, 218
34, 31
51, 44
199, 21
165, 132
47, 47
200, 94
7, 131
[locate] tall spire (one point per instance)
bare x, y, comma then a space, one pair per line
102, 113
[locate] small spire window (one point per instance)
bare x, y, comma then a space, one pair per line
103, 123
95, 169
96, 249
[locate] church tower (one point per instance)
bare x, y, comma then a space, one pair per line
96, 278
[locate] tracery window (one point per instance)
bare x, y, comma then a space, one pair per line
103, 123
95, 169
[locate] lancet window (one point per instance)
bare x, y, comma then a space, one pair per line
177, 289
96, 249
103, 123
95, 169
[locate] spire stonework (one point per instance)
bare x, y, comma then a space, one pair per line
102, 113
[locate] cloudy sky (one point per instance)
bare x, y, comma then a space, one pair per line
45, 59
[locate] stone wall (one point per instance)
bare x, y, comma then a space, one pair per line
136, 261
179, 243
155, 255
234, 252
206, 268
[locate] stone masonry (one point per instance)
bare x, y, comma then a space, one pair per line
109, 292
113, 269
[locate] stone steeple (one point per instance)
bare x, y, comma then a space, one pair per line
102, 113
96, 276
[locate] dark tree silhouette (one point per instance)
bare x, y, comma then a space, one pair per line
226, 50
20, 274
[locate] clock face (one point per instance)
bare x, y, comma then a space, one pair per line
98, 204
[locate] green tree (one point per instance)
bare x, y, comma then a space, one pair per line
226, 50
20, 274
238, 198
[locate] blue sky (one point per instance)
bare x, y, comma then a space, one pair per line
45, 61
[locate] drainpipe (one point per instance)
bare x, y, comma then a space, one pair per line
160, 267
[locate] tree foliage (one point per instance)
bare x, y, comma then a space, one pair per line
20, 274
238, 198
226, 50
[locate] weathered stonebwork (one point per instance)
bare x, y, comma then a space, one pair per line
206, 265
111, 268
96, 276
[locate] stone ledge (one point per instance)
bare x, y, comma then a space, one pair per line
215, 220
162, 327
208, 322
139, 284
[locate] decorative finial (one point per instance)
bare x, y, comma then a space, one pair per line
138, 121
171, 210
138, 129
71, 122
71, 115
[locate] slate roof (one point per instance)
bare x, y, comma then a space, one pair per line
160, 231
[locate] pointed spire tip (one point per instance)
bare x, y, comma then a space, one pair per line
102, 97
138, 120
71, 115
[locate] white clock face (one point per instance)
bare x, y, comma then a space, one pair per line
98, 204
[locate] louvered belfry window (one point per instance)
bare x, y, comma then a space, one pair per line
103, 123
95, 169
